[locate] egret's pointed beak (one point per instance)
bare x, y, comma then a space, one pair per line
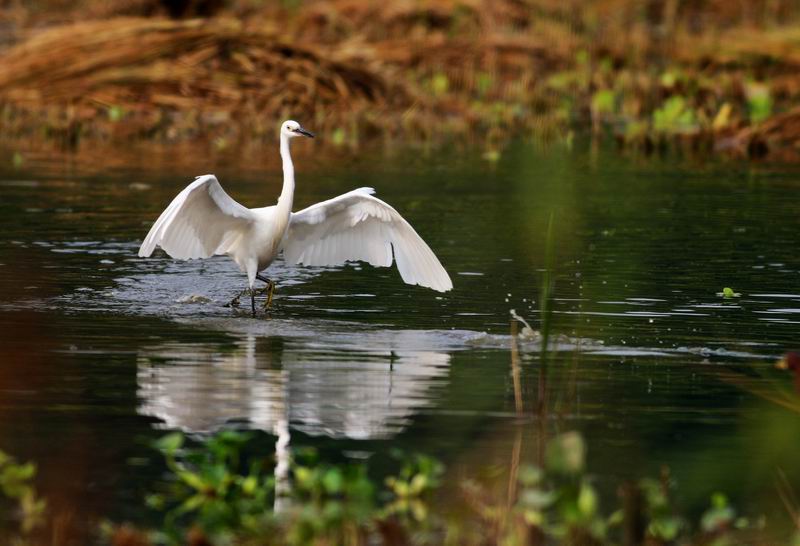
303, 132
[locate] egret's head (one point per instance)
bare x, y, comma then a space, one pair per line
293, 129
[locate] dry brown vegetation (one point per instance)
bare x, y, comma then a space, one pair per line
707, 73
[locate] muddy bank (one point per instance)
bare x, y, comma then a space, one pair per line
713, 78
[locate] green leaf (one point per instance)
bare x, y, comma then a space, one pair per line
419, 483
249, 485
530, 475
537, 499
719, 500
116, 113
302, 475
719, 515
192, 480
155, 501
170, 443
674, 116
759, 101
332, 481
491, 155
603, 101
566, 454
669, 79
616, 518
484, 83
728, 293
191, 504
587, 501
338, 136
665, 528
440, 84
400, 488
534, 518
20, 472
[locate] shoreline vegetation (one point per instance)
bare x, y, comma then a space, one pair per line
710, 77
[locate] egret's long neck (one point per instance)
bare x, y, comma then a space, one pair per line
287, 194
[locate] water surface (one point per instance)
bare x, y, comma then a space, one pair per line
104, 351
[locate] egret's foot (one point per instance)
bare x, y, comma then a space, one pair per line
270, 289
235, 302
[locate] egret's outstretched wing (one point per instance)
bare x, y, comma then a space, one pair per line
358, 226
201, 221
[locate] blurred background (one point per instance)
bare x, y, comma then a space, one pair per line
709, 75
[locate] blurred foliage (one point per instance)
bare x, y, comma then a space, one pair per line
648, 74
213, 494
210, 488
19, 494
220, 490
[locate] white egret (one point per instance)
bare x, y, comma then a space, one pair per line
203, 221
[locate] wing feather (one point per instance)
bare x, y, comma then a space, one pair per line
201, 221
359, 227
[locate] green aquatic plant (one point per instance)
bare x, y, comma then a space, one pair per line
440, 84
338, 137
214, 494
327, 500
559, 499
728, 293
419, 475
719, 516
484, 82
211, 488
491, 155
16, 485
664, 524
603, 102
116, 113
674, 116
759, 101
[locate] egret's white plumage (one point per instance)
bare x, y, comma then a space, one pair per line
203, 221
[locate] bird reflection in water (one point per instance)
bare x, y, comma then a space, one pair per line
265, 383
261, 382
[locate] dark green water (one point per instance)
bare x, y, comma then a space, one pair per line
103, 351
